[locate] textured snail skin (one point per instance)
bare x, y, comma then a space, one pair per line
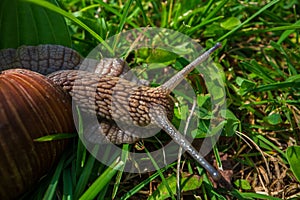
115, 100
30, 107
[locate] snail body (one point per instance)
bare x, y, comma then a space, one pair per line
114, 98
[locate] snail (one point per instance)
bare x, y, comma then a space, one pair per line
115, 97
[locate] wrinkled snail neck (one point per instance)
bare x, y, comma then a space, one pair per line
158, 114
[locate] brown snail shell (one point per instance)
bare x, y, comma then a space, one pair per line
30, 107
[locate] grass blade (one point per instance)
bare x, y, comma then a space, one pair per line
84, 177
102, 181
124, 15
50, 192
124, 157
67, 185
56, 9
164, 181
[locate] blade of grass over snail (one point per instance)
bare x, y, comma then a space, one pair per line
176, 79
158, 114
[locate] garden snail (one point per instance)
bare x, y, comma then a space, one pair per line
147, 106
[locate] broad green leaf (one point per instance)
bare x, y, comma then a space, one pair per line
232, 123
182, 112
202, 99
293, 157
27, 24
274, 119
202, 130
242, 184
245, 85
187, 183
230, 23
229, 125
157, 55
217, 129
217, 92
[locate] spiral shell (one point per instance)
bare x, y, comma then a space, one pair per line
30, 107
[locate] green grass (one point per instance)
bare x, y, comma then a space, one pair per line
260, 59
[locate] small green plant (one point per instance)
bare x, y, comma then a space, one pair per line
260, 58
